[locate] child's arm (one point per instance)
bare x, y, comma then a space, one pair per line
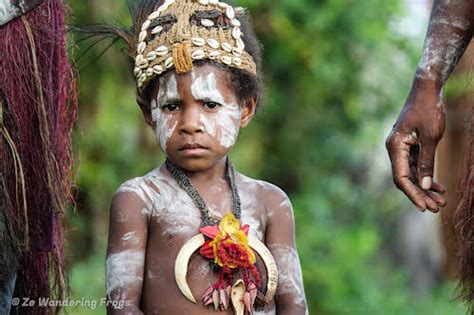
126, 253
280, 239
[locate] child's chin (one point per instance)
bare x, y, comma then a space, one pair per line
194, 164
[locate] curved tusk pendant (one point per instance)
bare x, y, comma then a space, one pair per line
181, 264
185, 253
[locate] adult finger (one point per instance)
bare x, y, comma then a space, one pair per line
425, 163
437, 187
440, 200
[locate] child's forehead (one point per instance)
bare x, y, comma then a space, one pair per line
206, 75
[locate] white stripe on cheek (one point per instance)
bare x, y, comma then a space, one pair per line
165, 125
224, 125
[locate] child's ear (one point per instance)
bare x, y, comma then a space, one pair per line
145, 107
247, 111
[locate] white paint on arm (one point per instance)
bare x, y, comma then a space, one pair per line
130, 238
290, 278
123, 271
444, 44
223, 124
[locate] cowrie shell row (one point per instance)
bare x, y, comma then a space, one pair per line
214, 54
237, 61
151, 56
236, 33
154, 15
237, 51
213, 43
169, 62
207, 22
230, 12
157, 30
146, 25
142, 36
161, 50
198, 54
198, 41
141, 47
227, 47
227, 60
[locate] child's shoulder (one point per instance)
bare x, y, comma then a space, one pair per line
146, 187
270, 194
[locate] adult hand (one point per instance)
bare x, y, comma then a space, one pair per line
412, 144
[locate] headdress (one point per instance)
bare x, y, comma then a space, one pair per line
180, 32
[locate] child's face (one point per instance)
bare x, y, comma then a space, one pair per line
197, 116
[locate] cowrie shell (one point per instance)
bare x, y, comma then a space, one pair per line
213, 2
198, 54
213, 43
227, 47
237, 51
158, 69
146, 25
236, 32
240, 43
204, 2
227, 60
198, 41
143, 64
139, 59
222, 5
136, 71
207, 22
142, 36
149, 72
157, 30
237, 61
161, 50
230, 12
154, 15
169, 62
214, 54
141, 47
151, 56
235, 23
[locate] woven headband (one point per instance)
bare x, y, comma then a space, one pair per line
180, 32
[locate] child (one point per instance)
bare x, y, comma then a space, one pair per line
195, 64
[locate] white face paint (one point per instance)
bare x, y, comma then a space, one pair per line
290, 278
122, 270
223, 124
7, 11
168, 93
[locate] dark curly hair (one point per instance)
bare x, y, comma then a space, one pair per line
244, 83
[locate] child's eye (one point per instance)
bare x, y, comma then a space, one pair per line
211, 105
170, 107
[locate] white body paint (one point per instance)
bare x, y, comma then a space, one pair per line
164, 124
223, 125
130, 238
441, 51
7, 11
121, 271
290, 279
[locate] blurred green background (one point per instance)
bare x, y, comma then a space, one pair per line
336, 75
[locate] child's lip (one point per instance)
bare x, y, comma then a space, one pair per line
192, 146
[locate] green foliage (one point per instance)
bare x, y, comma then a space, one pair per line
336, 74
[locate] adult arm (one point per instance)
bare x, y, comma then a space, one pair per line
412, 143
126, 253
10, 9
280, 239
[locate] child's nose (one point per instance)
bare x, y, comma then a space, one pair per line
190, 121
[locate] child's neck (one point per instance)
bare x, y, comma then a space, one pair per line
208, 177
